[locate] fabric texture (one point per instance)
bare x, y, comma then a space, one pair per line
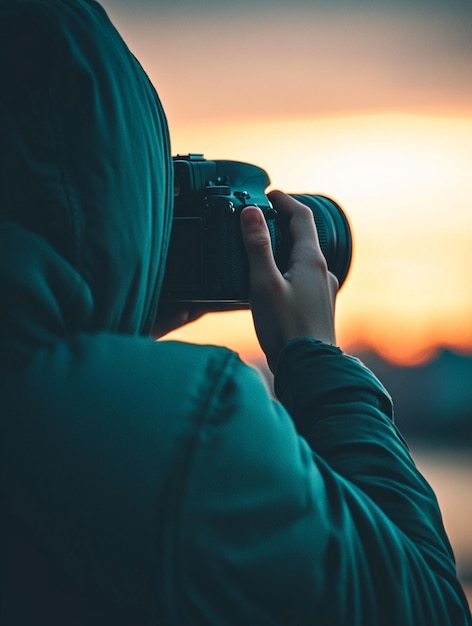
159, 483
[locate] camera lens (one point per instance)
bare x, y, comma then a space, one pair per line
334, 233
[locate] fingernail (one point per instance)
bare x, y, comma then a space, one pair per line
251, 217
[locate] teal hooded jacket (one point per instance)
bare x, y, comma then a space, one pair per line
158, 483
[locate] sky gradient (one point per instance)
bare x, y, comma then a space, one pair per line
266, 59
369, 104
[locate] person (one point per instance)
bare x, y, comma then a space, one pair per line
156, 482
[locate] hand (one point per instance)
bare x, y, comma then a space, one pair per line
299, 303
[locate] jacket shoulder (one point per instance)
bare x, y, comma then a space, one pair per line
97, 441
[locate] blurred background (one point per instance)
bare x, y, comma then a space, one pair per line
370, 103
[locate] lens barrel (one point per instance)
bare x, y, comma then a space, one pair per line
334, 232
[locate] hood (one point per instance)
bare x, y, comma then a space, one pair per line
85, 177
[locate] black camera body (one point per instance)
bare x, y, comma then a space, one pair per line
207, 261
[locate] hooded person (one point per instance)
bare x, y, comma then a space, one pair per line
157, 482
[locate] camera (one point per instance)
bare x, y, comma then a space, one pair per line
206, 260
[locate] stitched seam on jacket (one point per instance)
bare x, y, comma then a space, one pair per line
204, 418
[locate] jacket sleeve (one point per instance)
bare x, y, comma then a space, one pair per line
317, 518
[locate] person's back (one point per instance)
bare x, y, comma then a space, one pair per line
150, 482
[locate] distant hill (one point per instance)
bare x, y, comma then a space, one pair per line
433, 401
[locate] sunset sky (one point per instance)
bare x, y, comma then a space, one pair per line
368, 102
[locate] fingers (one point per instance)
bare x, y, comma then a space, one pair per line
258, 245
299, 303
302, 224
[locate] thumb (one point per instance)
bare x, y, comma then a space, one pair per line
258, 245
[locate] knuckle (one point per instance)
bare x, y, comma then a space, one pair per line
260, 241
303, 215
317, 260
305, 212
333, 282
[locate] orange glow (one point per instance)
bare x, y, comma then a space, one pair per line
369, 105
405, 183
281, 61
234, 330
